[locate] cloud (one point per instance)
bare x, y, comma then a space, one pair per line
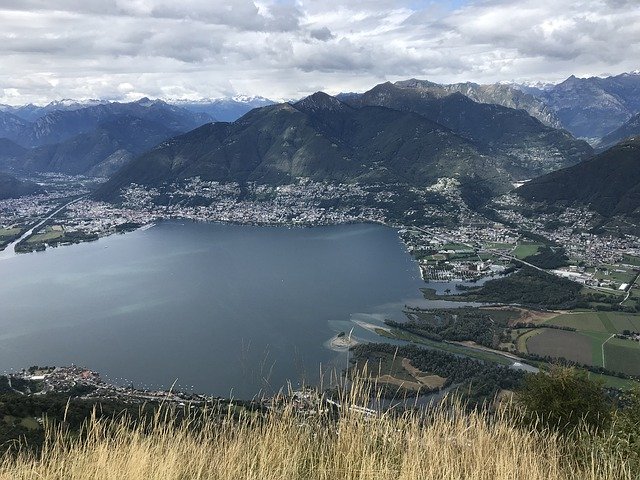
288, 48
323, 34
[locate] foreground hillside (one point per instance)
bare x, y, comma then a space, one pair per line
447, 444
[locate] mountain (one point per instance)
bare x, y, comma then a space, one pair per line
528, 147
630, 129
9, 151
225, 109
496, 93
31, 112
320, 138
11, 187
60, 125
11, 126
91, 140
97, 153
608, 183
593, 107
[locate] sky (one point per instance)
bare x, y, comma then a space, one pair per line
286, 49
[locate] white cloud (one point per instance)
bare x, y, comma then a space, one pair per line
286, 48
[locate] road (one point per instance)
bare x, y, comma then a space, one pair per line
612, 335
10, 250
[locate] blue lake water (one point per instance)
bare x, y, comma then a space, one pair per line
222, 309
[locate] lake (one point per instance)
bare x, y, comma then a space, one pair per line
220, 309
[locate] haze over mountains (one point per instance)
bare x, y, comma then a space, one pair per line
592, 107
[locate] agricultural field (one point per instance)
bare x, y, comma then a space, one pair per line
564, 344
631, 260
47, 234
399, 372
622, 355
608, 322
592, 342
9, 232
7, 235
499, 246
526, 249
456, 247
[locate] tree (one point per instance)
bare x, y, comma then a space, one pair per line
564, 399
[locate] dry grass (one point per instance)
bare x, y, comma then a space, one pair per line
444, 444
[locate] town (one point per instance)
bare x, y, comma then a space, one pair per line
450, 241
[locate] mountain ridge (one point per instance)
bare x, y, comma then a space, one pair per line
608, 183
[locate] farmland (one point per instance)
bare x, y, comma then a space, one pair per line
610, 322
591, 343
561, 343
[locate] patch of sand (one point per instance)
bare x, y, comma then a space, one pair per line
340, 343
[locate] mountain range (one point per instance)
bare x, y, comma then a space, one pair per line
592, 107
528, 147
60, 125
485, 135
224, 109
93, 140
323, 138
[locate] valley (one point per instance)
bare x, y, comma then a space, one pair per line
447, 167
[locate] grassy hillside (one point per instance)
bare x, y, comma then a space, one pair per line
446, 444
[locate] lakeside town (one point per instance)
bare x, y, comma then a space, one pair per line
449, 241
84, 384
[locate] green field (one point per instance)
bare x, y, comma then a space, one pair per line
574, 346
525, 250
608, 322
614, 382
455, 246
524, 336
623, 355
47, 235
616, 273
593, 329
499, 246
29, 423
631, 260
9, 232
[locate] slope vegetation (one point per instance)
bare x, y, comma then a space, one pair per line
319, 138
608, 183
526, 146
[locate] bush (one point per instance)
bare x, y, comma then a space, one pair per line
565, 399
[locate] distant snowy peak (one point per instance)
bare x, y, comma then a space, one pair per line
72, 103
252, 99
245, 99
227, 109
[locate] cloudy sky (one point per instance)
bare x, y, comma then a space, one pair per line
284, 49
